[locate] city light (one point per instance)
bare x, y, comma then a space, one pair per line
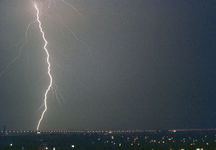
168, 138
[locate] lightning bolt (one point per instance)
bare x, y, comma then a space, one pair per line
52, 86
48, 62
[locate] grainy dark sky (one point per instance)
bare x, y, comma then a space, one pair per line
118, 64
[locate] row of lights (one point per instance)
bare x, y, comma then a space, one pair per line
76, 131
24, 131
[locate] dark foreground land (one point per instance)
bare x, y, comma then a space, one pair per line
163, 140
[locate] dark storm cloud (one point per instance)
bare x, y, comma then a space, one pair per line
124, 64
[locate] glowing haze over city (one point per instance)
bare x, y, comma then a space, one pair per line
107, 64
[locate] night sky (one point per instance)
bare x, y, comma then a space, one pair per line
116, 64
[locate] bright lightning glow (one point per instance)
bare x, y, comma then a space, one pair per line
50, 76
24, 41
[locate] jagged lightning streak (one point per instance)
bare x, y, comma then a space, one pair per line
50, 76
